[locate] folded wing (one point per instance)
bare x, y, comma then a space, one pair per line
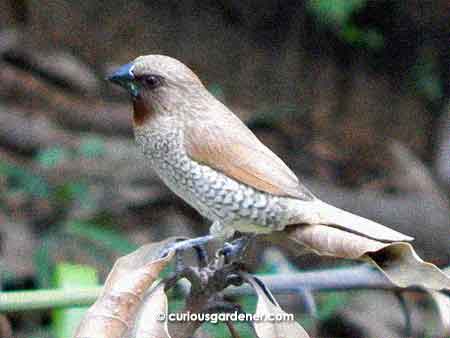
234, 150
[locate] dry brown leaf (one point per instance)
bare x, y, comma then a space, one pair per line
442, 303
398, 260
328, 241
267, 305
151, 320
403, 267
115, 310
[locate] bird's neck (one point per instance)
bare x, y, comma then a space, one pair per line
155, 130
142, 112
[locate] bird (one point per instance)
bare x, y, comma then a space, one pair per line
207, 156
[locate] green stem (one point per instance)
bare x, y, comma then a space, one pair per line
336, 279
41, 299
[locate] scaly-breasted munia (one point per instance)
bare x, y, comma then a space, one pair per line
208, 157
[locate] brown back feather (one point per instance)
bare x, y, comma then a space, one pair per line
231, 148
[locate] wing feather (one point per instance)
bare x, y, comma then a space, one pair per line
231, 148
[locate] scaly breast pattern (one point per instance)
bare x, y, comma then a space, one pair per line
213, 194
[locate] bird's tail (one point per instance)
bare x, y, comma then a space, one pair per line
319, 212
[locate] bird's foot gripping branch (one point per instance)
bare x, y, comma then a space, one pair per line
134, 301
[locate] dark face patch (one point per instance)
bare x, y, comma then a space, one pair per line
142, 111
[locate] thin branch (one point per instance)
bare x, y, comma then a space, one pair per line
234, 333
309, 302
338, 279
43, 299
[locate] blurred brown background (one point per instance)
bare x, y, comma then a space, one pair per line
353, 95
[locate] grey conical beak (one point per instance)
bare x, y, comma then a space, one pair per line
124, 77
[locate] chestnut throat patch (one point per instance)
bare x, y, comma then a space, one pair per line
141, 112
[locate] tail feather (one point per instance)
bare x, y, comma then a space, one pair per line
319, 212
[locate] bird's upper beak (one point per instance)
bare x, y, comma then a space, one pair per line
124, 77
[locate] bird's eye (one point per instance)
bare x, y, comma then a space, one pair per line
151, 81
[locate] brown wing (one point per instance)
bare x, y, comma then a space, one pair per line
231, 148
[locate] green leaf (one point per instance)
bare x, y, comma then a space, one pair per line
217, 91
35, 185
72, 191
335, 12
355, 36
337, 15
92, 147
248, 303
106, 238
425, 74
51, 157
374, 39
21, 179
71, 276
329, 303
176, 304
6, 275
43, 260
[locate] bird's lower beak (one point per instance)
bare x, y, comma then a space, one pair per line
124, 77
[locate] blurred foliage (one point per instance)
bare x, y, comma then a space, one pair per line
337, 16
51, 157
217, 90
335, 12
72, 192
92, 147
330, 303
426, 76
77, 240
89, 148
71, 236
109, 239
21, 179
44, 262
270, 118
71, 276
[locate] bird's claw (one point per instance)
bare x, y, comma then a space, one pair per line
198, 244
234, 279
235, 250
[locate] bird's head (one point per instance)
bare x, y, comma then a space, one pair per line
158, 84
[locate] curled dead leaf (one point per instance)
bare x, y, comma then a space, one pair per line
268, 307
151, 320
397, 260
402, 266
115, 310
328, 241
442, 303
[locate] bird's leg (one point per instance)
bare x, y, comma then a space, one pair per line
235, 250
192, 243
197, 242
216, 232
